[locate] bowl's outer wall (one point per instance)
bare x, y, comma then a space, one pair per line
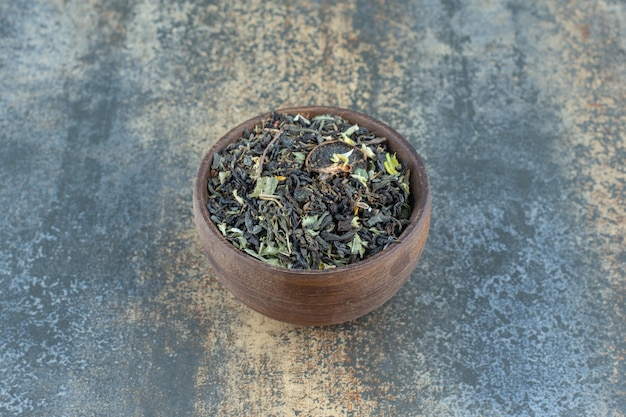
326, 296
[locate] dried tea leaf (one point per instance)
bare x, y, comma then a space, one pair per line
351, 130
357, 246
367, 151
265, 186
391, 164
299, 157
361, 175
342, 158
216, 163
320, 193
310, 222
223, 175
238, 198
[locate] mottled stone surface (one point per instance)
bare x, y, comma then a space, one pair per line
108, 306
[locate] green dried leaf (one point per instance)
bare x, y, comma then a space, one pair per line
342, 158
270, 260
357, 245
268, 250
361, 175
355, 222
299, 156
347, 139
238, 198
391, 164
222, 175
310, 222
265, 186
351, 130
367, 151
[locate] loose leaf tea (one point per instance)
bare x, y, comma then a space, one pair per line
309, 194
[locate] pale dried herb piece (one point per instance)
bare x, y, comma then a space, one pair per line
309, 194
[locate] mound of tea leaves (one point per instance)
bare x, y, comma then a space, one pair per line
309, 194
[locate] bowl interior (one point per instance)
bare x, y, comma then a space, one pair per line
419, 197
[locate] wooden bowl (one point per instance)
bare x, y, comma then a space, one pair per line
318, 297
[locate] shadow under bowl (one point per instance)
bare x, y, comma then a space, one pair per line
318, 297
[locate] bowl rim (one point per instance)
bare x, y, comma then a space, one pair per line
420, 209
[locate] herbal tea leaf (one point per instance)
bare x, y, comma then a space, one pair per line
299, 156
310, 222
311, 225
223, 175
238, 198
357, 245
351, 130
347, 139
367, 151
265, 186
342, 157
392, 164
270, 260
361, 175
355, 222
268, 250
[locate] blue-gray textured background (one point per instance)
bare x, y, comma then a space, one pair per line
108, 306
